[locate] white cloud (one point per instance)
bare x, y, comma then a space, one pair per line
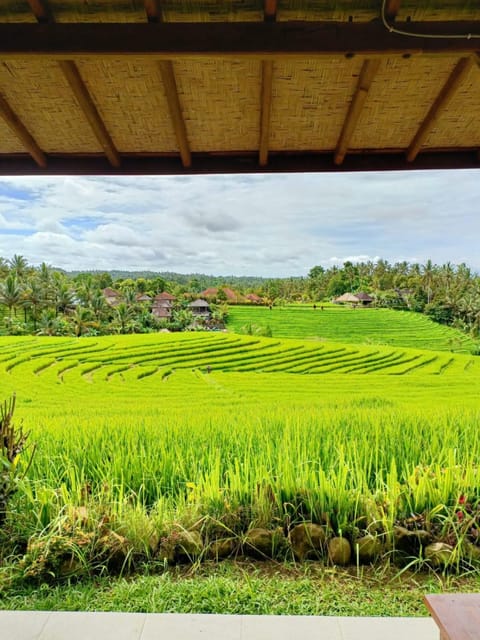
266, 225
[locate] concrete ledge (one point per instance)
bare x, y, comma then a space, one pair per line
63, 625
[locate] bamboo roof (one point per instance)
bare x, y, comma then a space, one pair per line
172, 86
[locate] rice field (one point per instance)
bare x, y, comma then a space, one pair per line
164, 430
344, 324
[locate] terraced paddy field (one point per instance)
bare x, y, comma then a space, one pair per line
344, 324
153, 432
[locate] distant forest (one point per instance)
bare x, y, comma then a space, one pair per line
43, 299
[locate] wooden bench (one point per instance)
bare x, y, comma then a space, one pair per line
456, 614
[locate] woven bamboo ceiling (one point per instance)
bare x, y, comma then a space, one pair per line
199, 86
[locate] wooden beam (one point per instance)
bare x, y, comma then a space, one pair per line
270, 10
171, 92
266, 107
137, 164
447, 92
22, 133
256, 40
74, 79
153, 10
367, 74
392, 7
41, 10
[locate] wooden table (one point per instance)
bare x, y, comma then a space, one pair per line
456, 614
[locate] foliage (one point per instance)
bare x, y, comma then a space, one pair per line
13, 442
449, 294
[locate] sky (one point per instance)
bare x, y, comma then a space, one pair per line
265, 225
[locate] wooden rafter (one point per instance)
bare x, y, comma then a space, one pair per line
41, 10
22, 133
270, 15
254, 40
167, 164
266, 107
72, 74
153, 10
447, 92
171, 92
392, 7
367, 75
74, 79
270, 10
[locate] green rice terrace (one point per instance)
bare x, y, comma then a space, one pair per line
173, 448
345, 324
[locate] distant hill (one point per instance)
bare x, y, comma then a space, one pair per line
203, 279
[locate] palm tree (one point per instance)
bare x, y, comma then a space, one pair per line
86, 290
34, 299
130, 297
428, 276
3, 268
63, 297
98, 305
49, 324
124, 314
81, 320
19, 267
10, 293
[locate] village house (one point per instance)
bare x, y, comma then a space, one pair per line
212, 293
200, 309
162, 306
360, 298
112, 297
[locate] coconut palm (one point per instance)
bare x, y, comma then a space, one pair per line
81, 320
19, 267
124, 315
34, 299
50, 325
98, 305
86, 290
10, 293
63, 297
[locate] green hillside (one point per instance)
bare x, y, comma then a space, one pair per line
344, 324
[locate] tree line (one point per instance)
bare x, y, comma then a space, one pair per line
50, 301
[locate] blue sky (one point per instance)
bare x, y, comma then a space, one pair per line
267, 225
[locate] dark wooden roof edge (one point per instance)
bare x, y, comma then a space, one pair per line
202, 163
237, 39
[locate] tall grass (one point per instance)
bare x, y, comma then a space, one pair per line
123, 436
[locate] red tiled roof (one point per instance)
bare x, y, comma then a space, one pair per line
164, 296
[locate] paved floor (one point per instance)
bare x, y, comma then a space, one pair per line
42, 625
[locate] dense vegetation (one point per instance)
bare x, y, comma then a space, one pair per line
48, 301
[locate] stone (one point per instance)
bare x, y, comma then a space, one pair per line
439, 554
189, 545
259, 543
220, 549
471, 552
339, 551
369, 547
407, 540
308, 540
